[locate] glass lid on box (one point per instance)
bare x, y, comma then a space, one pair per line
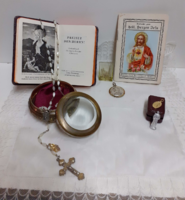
78, 114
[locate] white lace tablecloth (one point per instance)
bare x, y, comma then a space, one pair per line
123, 159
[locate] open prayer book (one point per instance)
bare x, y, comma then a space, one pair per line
35, 49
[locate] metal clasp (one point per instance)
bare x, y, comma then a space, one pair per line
46, 116
46, 113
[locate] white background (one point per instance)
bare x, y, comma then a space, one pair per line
102, 13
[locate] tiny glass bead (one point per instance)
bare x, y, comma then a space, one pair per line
53, 82
57, 61
52, 71
58, 83
48, 52
57, 54
49, 107
59, 88
57, 66
49, 58
50, 64
53, 94
53, 88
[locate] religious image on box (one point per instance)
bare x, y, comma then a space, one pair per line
38, 48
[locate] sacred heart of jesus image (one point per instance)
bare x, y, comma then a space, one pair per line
140, 58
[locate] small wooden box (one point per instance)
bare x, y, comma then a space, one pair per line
155, 106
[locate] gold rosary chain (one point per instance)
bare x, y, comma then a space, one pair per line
48, 146
39, 138
54, 148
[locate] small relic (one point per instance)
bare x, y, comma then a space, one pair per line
106, 71
116, 91
156, 110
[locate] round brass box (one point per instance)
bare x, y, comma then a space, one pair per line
41, 114
78, 114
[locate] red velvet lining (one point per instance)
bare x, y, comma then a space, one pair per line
45, 94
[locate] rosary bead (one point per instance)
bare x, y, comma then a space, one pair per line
52, 70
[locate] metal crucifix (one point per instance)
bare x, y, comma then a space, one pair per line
67, 166
54, 148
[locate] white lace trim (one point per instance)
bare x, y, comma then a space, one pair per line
10, 117
57, 195
126, 186
172, 90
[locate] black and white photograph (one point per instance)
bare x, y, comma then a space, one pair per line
38, 48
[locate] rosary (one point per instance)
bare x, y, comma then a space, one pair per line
53, 147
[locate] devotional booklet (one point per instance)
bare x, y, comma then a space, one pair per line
140, 47
35, 46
